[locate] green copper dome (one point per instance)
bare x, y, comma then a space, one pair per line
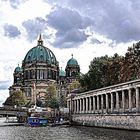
62, 73
18, 69
72, 61
41, 54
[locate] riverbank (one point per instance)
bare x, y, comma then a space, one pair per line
123, 121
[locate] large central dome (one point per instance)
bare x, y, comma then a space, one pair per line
41, 54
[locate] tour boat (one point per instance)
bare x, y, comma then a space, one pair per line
37, 121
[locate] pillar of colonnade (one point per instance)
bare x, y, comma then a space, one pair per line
84, 105
102, 104
107, 104
130, 100
137, 99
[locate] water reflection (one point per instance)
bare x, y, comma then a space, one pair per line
65, 133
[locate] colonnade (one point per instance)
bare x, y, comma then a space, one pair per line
122, 100
40, 73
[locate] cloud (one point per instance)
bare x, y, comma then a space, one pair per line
118, 20
34, 27
96, 41
11, 31
70, 26
15, 3
3, 95
70, 39
4, 85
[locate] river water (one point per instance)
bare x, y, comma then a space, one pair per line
64, 133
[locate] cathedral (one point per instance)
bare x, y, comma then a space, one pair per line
39, 69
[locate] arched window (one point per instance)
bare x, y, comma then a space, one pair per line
49, 73
45, 74
41, 74
37, 74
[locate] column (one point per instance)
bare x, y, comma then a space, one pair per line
77, 106
93, 104
83, 105
80, 108
137, 99
90, 104
107, 106
112, 103
117, 101
97, 103
102, 103
74, 106
130, 100
123, 101
86, 104
67, 104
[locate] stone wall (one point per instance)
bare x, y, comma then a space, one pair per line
126, 121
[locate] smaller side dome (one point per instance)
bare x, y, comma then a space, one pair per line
18, 69
62, 73
72, 61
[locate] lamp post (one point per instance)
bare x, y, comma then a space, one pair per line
34, 93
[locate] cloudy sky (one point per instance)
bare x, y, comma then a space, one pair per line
84, 28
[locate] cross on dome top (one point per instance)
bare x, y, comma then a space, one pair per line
40, 41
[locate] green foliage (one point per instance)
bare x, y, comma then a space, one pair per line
105, 71
98, 74
16, 98
74, 85
53, 103
50, 98
131, 63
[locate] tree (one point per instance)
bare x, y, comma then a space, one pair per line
131, 63
97, 76
16, 98
114, 69
53, 103
103, 71
74, 85
51, 100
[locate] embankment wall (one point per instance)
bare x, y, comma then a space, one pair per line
130, 122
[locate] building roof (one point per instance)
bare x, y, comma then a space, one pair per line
72, 61
18, 69
40, 53
62, 73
